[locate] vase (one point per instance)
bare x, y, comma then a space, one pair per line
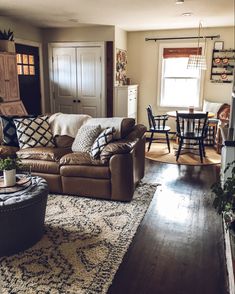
9, 177
7, 46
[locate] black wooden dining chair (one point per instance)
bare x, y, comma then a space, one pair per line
191, 129
157, 124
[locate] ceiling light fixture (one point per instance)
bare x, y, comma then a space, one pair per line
187, 14
198, 61
179, 1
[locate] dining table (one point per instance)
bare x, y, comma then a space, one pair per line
173, 113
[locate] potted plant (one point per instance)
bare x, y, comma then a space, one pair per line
7, 41
8, 166
224, 201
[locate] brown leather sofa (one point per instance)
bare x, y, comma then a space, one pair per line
114, 176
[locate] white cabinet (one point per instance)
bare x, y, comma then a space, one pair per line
125, 101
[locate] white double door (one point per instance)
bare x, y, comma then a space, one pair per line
77, 80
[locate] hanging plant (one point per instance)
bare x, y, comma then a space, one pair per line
6, 35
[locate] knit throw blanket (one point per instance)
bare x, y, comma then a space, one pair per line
67, 124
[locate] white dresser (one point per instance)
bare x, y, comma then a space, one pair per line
125, 101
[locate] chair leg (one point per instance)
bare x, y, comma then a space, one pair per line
168, 142
179, 149
150, 141
201, 150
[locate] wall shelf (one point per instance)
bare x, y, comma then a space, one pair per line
223, 63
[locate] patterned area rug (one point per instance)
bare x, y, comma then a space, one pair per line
82, 249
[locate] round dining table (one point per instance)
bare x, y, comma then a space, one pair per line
173, 113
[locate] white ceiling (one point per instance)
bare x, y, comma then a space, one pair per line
128, 14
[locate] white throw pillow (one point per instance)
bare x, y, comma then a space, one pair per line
103, 139
85, 138
211, 107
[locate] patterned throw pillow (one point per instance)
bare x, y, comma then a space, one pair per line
103, 139
9, 136
34, 132
85, 137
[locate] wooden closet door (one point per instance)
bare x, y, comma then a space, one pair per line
11, 78
2, 78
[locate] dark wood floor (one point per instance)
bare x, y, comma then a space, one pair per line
178, 248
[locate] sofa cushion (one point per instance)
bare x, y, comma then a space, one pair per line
117, 147
79, 158
34, 132
8, 130
211, 107
127, 126
85, 171
137, 132
63, 141
43, 153
85, 138
123, 126
101, 141
41, 166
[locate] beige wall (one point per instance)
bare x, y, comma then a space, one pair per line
143, 66
120, 39
79, 34
21, 29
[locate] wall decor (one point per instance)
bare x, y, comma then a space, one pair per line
218, 45
13, 108
222, 67
121, 67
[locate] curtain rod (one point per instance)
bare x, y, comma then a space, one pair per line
182, 38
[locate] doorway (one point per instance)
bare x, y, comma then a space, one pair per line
78, 78
29, 77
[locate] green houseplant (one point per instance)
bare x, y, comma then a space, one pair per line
224, 201
7, 41
8, 166
6, 35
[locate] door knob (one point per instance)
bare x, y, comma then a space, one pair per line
78, 101
74, 101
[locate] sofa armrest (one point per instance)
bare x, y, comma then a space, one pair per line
122, 177
6, 151
117, 147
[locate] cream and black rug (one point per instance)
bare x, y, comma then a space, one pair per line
159, 152
82, 249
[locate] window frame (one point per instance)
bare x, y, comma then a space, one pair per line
160, 69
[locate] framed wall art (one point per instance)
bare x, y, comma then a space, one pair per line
12, 108
121, 67
219, 45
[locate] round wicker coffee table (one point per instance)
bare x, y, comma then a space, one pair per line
22, 215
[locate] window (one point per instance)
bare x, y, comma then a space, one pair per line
25, 64
180, 87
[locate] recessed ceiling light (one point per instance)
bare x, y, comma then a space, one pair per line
179, 1
187, 14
